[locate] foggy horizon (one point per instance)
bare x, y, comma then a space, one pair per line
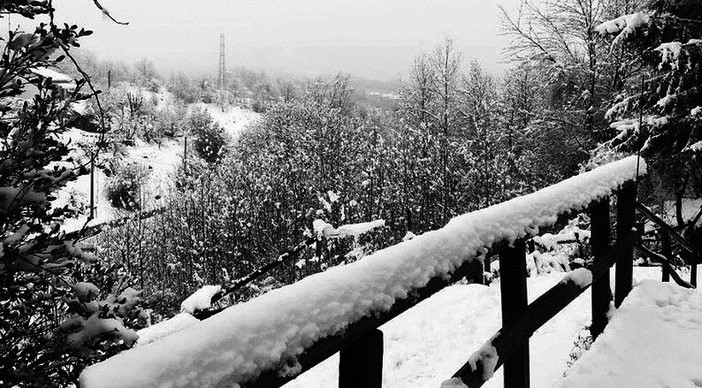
366, 39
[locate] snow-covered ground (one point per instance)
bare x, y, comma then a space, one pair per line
233, 119
427, 344
430, 342
653, 340
161, 162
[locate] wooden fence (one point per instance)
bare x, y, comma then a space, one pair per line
361, 344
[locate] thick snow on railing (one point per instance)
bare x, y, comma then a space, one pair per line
239, 343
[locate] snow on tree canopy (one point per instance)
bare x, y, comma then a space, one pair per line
624, 26
239, 343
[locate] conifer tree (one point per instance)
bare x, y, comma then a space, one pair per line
661, 113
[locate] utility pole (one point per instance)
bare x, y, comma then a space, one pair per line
92, 186
222, 67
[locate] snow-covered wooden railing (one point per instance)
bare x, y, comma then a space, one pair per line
666, 232
271, 339
510, 345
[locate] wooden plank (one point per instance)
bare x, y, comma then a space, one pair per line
600, 241
361, 362
626, 202
513, 295
674, 234
508, 339
664, 262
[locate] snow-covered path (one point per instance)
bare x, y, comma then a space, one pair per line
428, 343
653, 340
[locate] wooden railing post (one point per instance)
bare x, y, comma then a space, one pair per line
693, 274
601, 292
667, 252
626, 204
513, 289
361, 363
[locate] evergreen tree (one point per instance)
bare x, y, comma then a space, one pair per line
661, 113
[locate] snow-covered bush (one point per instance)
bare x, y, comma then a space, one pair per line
656, 113
561, 252
40, 270
123, 188
580, 346
210, 139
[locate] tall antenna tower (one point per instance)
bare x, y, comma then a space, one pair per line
222, 67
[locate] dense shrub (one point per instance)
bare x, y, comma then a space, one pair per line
124, 187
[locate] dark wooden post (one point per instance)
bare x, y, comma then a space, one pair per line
626, 203
513, 289
693, 273
667, 252
361, 363
601, 292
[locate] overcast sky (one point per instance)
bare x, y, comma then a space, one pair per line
376, 39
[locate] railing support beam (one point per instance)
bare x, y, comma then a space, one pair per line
513, 290
626, 204
361, 363
601, 292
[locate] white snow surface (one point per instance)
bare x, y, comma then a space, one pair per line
581, 277
200, 299
232, 118
453, 383
652, 340
155, 332
429, 343
239, 343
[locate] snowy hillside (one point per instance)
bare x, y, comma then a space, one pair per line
159, 160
